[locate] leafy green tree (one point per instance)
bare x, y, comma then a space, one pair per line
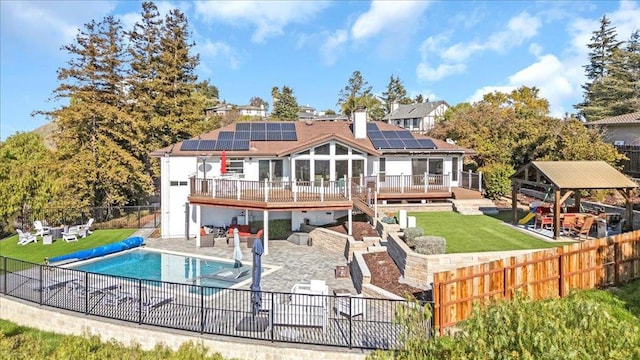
96, 133
395, 93
210, 92
27, 174
285, 105
356, 90
419, 99
602, 47
329, 112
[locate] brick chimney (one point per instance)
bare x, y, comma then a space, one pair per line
360, 122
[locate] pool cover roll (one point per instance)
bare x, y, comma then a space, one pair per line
126, 244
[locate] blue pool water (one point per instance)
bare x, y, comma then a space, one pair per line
156, 266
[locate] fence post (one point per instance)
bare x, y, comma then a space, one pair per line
321, 189
505, 283
266, 190
426, 182
271, 315
139, 217
402, 182
440, 308
41, 283
201, 309
139, 301
86, 293
561, 281
480, 181
617, 260
350, 322
5, 274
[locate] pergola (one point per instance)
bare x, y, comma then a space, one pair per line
567, 178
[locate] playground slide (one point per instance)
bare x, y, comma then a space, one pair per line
525, 220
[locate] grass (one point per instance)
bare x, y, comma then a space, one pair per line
36, 252
477, 233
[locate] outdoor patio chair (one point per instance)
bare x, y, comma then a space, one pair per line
25, 238
569, 221
70, 234
582, 229
41, 230
351, 306
153, 299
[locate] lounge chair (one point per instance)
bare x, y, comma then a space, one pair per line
25, 238
231, 275
41, 230
48, 284
350, 306
582, 229
70, 234
152, 299
82, 230
97, 286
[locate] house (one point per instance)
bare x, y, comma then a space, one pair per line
621, 129
220, 109
304, 172
416, 117
248, 110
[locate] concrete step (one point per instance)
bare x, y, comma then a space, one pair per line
474, 207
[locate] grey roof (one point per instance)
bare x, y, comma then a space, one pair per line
632, 118
413, 110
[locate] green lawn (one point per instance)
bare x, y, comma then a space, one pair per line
476, 233
36, 252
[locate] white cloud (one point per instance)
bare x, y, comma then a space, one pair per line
269, 17
559, 77
332, 46
51, 24
427, 72
535, 49
219, 50
387, 16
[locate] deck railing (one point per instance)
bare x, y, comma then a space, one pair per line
322, 190
353, 322
470, 180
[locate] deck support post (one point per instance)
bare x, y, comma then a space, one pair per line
265, 232
350, 221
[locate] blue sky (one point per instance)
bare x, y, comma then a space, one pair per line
446, 50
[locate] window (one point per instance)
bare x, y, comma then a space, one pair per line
418, 166
303, 170
454, 169
270, 170
342, 169
357, 168
435, 166
383, 168
178, 183
322, 150
321, 170
235, 165
341, 150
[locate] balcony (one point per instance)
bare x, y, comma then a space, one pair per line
316, 194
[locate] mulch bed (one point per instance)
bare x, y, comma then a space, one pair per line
385, 275
359, 226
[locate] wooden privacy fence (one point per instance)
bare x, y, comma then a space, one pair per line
541, 275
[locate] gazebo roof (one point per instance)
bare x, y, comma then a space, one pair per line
577, 175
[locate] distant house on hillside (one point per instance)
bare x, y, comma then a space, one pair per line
220, 109
621, 129
416, 117
248, 110
245, 110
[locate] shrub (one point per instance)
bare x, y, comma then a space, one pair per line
278, 229
497, 180
430, 245
410, 234
576, 327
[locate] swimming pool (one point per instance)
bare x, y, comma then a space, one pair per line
161, 266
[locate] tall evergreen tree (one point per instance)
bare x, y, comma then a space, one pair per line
356, 89
602, 47
95, 132
285, 106
395, 93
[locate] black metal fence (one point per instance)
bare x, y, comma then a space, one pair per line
144, 216
342, 321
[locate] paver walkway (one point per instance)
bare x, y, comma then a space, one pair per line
294, 263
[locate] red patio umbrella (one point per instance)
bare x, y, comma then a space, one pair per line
223, 163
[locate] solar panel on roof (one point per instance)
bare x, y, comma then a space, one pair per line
258, 135
243, 135
189, 145
273, 127
258, 127
395, 144
404, 134
224, 144
411, 144
239, 145
380, 144
390, 135
427, 144
226, 135
207, 145
243, 127
372, 127
288, 127
375, 134
289, 136
274, 135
